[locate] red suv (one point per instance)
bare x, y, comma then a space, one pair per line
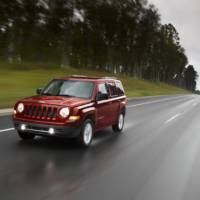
75, 106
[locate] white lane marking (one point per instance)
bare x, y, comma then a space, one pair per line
150, 102
6, 130
173, 118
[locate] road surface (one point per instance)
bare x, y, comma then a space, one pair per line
156, 158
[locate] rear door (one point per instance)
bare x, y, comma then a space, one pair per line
115, 103
103, 107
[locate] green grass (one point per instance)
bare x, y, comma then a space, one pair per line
18, 81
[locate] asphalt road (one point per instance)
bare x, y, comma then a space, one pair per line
156, 158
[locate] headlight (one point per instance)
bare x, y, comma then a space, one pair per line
64, 112
20, 108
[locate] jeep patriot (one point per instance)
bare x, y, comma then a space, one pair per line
72, 107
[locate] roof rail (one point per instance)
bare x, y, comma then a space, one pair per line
83, 77
90, 77
107, 77
78, 76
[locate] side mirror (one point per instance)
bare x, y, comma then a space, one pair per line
39, 91
101, 96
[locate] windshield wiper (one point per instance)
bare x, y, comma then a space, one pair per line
62, 95
47, 94
66, 95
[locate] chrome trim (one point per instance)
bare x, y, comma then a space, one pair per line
88, 109
85, 106
109, 100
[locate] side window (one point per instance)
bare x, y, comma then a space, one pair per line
102, 88
113, 89
102, 92
120, 88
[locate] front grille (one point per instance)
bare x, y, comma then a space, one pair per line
40, 112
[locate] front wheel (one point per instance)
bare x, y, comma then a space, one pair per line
118, 127
25, 135
87, 132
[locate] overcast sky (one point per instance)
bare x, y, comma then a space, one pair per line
185, 16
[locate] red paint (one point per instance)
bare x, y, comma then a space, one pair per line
104, 113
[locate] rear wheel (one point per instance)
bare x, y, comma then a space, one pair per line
87, 132
118, 127
25, 135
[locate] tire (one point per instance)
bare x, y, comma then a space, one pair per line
86, 134
118, 127
26, 136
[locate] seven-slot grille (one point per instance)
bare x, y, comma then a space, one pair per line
40, 112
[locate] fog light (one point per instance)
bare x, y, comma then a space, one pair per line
23, 127
51, 131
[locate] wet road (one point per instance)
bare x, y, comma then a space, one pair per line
156, 158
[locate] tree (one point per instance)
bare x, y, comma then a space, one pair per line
123, 36
190, 76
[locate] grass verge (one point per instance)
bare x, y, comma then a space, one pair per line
18, 81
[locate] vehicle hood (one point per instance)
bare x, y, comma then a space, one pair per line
56, 100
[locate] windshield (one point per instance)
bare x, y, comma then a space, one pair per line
69, 88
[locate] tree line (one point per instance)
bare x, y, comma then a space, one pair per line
124, 36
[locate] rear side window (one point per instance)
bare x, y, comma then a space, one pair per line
120, 88
113, 89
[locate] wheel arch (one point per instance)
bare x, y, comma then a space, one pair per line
122, 109
89, 114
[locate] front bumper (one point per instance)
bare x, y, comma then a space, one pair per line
43, 129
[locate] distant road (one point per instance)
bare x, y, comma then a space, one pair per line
156, 158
